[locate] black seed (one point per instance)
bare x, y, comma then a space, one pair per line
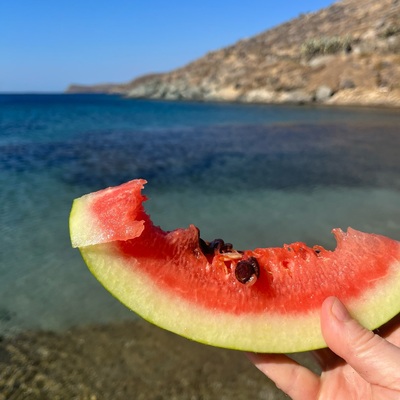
247, 269
217, 244
205, 247
255, 265
226, 248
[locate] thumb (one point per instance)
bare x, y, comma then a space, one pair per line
376, 360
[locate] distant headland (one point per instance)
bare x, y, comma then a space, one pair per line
346, 54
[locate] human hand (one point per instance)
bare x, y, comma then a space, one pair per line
358, 364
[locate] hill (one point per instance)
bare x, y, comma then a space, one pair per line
348, 53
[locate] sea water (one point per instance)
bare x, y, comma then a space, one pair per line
255, 175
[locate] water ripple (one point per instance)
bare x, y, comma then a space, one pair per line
228, 157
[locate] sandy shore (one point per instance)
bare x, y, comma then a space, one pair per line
131, 360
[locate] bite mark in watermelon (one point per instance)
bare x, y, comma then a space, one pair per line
263, 300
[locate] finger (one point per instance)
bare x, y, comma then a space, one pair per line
292, 378
375, 359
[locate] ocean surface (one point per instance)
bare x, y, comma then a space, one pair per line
255, 175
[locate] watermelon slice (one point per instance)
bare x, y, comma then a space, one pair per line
263, 300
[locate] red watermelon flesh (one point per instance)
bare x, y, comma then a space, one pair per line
264, 300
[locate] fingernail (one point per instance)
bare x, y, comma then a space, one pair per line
339, 311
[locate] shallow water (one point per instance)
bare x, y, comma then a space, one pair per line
254, 175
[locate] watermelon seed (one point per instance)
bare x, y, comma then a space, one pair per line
247, 271
205, 247
318, 250
226, 248
217, 244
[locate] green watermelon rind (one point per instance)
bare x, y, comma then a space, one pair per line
269, 333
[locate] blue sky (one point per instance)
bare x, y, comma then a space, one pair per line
47, 44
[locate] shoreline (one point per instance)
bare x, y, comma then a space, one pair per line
346, 99
343, 101
125, 360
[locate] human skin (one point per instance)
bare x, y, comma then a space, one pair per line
358, 364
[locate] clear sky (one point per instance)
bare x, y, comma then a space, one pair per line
47, 44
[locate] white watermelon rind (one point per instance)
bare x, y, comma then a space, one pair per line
263, 333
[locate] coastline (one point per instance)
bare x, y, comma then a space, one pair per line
355, 97
125, 360
348, 98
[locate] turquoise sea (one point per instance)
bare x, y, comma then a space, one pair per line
255, 175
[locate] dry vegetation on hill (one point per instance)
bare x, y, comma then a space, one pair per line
348, 53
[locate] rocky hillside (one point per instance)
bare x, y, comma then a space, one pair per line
348, 53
